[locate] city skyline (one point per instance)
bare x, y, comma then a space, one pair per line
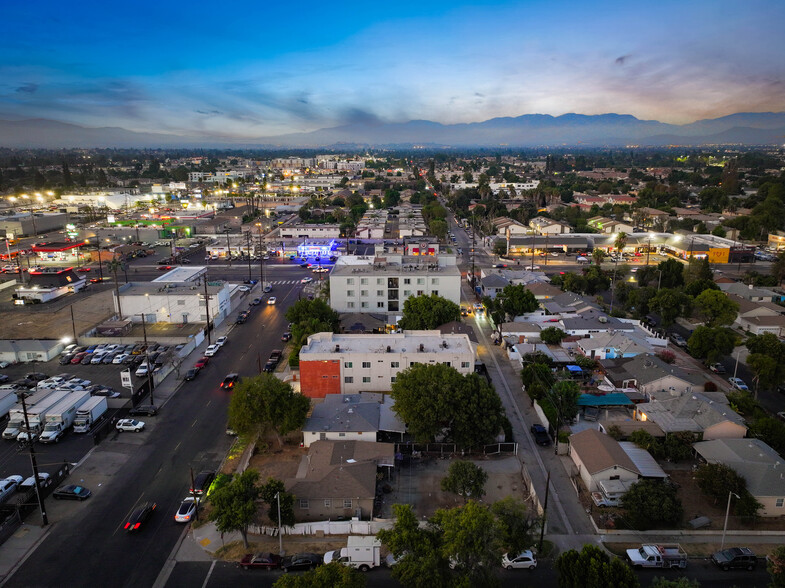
245, 71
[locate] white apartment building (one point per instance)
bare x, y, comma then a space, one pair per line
383, 283
173, 302
347, 364
308, 231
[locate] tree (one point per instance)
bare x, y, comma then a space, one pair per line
697, 268
114, 265
552, 335
696, 287
593, 568
416, 549
716, 308
778, 268
710, 344
651, 503
537, 379
660, 582
265, 403
671, 272
717, 480
234, 505
564, 395
307, 310
270, 492
438, 228
516, 527
428, 312
435, 399
597, 255
465, 479
719, 231
516, 300
332, 575
671, 304
776, 567
621, 241
470, 538
500, 247
766, 369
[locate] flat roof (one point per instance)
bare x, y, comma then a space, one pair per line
407, 341
168, 288
182, 274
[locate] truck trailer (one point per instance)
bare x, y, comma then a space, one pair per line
16, 417
61, 416
90, 413
36, 416
361, 552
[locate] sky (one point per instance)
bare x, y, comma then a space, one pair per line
248, 69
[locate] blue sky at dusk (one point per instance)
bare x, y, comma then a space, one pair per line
254, 69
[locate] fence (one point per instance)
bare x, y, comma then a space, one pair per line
326, 528
446, 450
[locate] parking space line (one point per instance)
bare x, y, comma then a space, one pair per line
209, 573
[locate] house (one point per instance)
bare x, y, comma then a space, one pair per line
707, 414
749, 292
492, 284
351, 363
760, 316
27, 350
599, 458
338, 479
543, 291
352, 417
543, 225
610, 345
569, 303
591, 322
649, 374
757, 463
520, 332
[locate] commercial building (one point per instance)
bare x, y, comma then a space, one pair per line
25, 224
383, 283
49, 284
174, 302
350, 364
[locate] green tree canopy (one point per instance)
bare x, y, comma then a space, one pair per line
717, 480
775, 565
516, 526
428, 312
593, 568
671, 304
710, 344
465, 479
564, 395
697, 269
435, 399
716, 308
265, 403
537, 379
672, 273
234, 504
270, 492
512, 301
332, 575
552, 335
318, 309
651, 503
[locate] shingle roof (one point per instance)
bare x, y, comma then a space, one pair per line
599, 452
754, 460
689, 412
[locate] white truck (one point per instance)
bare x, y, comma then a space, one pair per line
90, 413
361, 552
61, 416
16, 417
663, 555
8, 399
36, 416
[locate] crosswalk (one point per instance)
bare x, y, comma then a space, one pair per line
284, 282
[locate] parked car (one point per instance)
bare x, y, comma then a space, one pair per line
523, 561
201, 362
243, 288
71, 492
43, 480
268, 288
202, 482
187, 510
191, 374
8, 486
120, 358
286, 336
540, 434
738, 383
139, 516
66, 359
129, 425
266, 561
677, 339
212, 350
256, 301
717, 368
301, 562
735, 558
221, 341
144, 410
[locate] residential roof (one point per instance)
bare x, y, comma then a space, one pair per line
600, 452
595, 321
646, 369
542, 290
354, 413
754, 460
494, 281
746, 306
747, 291
643, 460
53, 279
628, 427
624, 342
689, 412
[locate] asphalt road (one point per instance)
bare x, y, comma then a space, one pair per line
92, 548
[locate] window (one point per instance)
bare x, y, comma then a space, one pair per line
342, 434
379, 281
380, 304
780, 502
350, 292
327, 503
464, 364
407, 293
363, 281
380, 292
395, 364
347, 503
420, 292
348, 380
350, 305
392, 282
363, 292
392, 379
304, 503
366, 364
434, 280
350, 281
363, 305
435, 292
392, 294
411, 363
420, 281
447, 363
407, 281
366, 379
180, 302
347, 364
392, 306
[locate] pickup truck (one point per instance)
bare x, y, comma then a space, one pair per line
665, 555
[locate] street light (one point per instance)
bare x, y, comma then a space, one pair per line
727, 512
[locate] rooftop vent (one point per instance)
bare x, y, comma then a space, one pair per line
337, 348
422, 347
389, 349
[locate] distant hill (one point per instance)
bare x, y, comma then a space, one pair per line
529, 130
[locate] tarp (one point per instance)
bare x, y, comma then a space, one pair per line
605, 400
576, 369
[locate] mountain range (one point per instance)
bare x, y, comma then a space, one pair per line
529, 130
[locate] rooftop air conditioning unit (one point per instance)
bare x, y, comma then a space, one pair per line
337, 348
389, 349
422, 347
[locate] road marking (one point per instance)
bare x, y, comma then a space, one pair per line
208, 403
176, 447
195, 421
209, 573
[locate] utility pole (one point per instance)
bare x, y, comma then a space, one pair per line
195, 497
228, 248
73, 322
473, 235
261, 260
546, 248
248, 247
100, 264
147, 359
545, 509
280, 537
34, 463
207, 309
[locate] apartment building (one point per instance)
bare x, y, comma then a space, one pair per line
349, 364
383, 283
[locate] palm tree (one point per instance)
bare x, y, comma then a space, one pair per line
597, 256
114, 265
621, 241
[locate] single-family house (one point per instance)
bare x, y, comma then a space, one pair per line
707, 414
610, 345
353, 417
649, 374
599, 457
543, 225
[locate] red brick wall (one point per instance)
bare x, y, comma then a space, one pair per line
318, 378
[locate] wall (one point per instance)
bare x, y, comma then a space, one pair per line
311, 436
319, 378
376, 290
317, 510
725, 430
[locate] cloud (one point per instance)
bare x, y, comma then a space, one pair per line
208, 112
28, 88
622, 60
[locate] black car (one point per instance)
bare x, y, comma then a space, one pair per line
202, 482
191, 374
270, 366
71, 492
301, 561
66, 359
735, 558
36, 376
229, 381
286, 336
540, 435
3, 378
139, 516
144, 410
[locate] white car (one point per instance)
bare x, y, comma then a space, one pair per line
523, 561
271, 300
129, 425
306, 280
212, 350
187, 510
244, 289
221, 341
142, 370
738, 383
8, 486
120, 358
43, 477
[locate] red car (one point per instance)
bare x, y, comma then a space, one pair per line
98, 280
164, 268
266, 561
202, 362
83, 269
